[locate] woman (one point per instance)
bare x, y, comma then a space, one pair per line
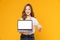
28, 14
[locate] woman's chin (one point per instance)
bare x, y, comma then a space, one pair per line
28, 15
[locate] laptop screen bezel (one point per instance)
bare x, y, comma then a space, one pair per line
25, 29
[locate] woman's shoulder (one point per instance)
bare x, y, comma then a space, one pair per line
21, 19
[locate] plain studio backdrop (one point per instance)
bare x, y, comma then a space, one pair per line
47, 12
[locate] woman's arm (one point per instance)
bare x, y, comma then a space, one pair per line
38, 25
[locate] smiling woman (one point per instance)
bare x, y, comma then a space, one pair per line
28, 11
28, 14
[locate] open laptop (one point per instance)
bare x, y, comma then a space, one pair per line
25, 25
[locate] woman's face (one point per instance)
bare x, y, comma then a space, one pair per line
28, 10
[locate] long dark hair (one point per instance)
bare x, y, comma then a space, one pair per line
24, 15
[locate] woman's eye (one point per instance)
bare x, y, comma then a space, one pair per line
29, 9
25, 9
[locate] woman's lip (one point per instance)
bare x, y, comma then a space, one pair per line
27, 12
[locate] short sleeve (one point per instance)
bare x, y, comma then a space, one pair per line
36, 23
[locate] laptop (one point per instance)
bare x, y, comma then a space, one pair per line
25, 25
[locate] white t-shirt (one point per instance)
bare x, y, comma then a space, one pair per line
35, 23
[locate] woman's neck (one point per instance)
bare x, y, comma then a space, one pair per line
28, 16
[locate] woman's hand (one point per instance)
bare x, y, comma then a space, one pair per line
40, 29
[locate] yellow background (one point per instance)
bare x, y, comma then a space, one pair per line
47, 13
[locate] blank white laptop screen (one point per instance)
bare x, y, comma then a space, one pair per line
25, 25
